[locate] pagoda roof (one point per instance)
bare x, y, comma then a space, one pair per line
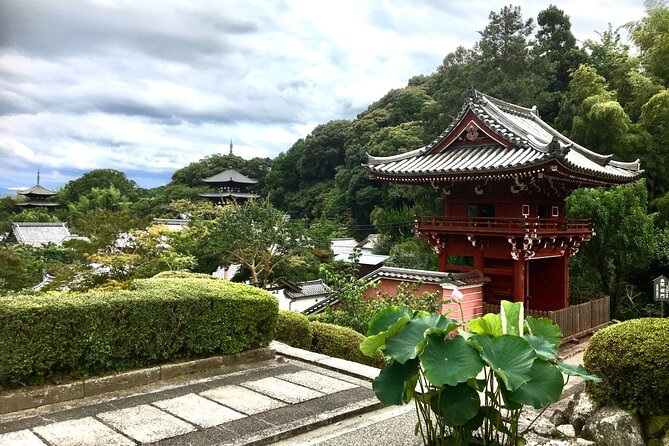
229, 194
230, 176
513, 138
37, 203
37, 190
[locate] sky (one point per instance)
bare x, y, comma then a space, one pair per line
147, 87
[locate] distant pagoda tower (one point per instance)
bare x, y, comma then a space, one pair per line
37, 196
230, 186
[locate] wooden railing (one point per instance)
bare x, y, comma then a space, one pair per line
505, 226
575, 321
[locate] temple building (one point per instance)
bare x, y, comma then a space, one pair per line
37, 196
504, 175
229, 186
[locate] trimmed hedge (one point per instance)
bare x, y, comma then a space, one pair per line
183, 275
632, 358
293, 329
157, 320
342, 342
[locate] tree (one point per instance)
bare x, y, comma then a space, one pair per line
555, 56
503, 65
19, 268
255, 234
621, 249
100, 179
413, 253
651, 35
653, 120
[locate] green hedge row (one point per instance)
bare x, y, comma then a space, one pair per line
632, 358
156, 320
296, 330
293, 328
342, 342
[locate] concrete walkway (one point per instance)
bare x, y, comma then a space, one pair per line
299, 398
274, 400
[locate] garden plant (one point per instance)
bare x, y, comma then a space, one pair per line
469, 386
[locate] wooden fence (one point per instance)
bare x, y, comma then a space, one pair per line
575, 321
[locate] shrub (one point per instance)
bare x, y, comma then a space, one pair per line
632, 360
156, 320
293, 329
342, 342
181, 274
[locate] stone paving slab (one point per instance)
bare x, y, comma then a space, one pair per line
316, 381
84, 432
20, 438
198, 410
242, 399
256, 406
146, 423
282, 390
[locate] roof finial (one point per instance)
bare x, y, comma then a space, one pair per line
38, 177
230, 147
471, 93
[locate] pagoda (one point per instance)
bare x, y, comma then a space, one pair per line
230, 186
504, 175
37, 196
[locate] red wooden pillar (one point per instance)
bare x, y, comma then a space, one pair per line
443, 260
565, 279
478, 259
519, 272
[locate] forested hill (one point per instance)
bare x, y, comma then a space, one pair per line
599, 93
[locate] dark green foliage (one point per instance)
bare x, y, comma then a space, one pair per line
19, 268
293, 329
413, 253
621, 250
193, 174
99, 179
342, 342
632, 360
157, 320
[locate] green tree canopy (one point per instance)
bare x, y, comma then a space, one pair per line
99, 179
621, 248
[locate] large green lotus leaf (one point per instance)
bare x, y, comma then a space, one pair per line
456, 404
390, 386
490, 324
545, 328
409, 342
510, 357
449, 361
371, 344
386, 318
544, 387
543, 348
577, 370
512, 317
479, 341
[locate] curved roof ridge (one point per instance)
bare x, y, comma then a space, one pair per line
508, 105
230, 175
398, 157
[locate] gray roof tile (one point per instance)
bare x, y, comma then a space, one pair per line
533, 140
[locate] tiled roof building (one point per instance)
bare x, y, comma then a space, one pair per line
38, 234
503, 174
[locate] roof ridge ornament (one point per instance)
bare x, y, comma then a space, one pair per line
556, 149
471, 93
